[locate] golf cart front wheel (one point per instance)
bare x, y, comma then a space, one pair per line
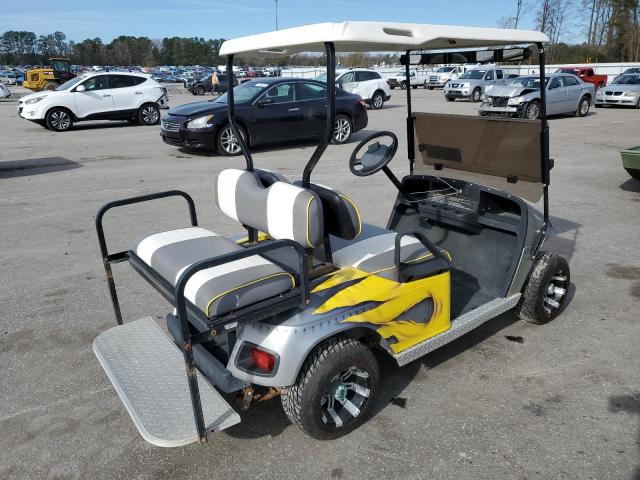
545, 293
334, 389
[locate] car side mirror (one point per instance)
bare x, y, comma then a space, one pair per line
80, 88
265, 101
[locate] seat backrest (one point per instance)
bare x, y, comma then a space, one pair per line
282, 210
341, 216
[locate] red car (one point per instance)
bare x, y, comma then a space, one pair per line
587, 74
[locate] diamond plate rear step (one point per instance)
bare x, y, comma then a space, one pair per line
148, 371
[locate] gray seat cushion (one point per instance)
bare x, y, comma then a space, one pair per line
374, 251
216, 290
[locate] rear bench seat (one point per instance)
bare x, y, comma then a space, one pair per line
281, 210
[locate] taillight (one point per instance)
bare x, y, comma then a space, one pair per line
265, 361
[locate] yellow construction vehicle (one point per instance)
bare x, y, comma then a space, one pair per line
48, 78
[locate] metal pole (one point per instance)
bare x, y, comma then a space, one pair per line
331, 114
544, 134
231, 110
410, 140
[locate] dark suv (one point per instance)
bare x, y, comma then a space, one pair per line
202, 86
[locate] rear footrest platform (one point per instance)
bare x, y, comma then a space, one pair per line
148, 372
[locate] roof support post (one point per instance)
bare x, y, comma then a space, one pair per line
544, 134
410, 141
231, 110
331, 114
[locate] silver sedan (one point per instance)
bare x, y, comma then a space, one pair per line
565, 94
624, 90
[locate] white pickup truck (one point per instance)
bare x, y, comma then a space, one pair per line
417, 78
442, 75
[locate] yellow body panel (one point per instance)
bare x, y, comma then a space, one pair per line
45, 75
395, 299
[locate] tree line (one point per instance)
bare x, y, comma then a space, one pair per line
609, 28
27, 48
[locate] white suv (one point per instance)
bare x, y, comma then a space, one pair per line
367, 83
97, 96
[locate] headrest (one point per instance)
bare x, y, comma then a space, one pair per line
282, 210
341, 216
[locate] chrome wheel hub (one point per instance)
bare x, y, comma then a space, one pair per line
60, 120
149, 115
229, 142
345, 397
555, 292
342, 130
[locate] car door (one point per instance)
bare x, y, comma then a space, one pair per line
348, 83
574, 93
96, 100
312, 98
489, 78
126, 94
277, 114
500, 80
556, 96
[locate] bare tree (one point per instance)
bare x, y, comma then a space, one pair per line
512, 21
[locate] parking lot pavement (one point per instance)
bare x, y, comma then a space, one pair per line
511, 400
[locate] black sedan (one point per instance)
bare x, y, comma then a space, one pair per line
267, 110
204, 85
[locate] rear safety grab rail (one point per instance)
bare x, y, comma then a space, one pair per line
108, 259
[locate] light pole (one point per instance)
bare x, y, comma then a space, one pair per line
276, 14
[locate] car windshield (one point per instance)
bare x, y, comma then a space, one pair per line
473, 74
572, 71
70, 83
526, 82
444, 69
322, 77
629, 79
244, 93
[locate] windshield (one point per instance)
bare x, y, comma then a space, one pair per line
322, 77
444, 69
633, 79
70, 83
473, 74
527, 82
572, 71
244, 93
60, 65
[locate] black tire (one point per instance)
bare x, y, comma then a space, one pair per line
59, 119
449, 99
583, 107
226, 142
476, 94
149, 114
343, 130
414, 86
321, 383
403, 85
532, 110
430, 88
50, 86
392, 87
200, 90
634, 172
545, 293
377, 100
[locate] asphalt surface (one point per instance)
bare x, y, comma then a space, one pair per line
510, 400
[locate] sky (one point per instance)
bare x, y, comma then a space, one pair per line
232, 18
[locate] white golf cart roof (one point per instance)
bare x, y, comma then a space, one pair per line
376, 36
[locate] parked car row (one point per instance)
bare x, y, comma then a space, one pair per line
205, 84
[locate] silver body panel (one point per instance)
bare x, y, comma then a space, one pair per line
615, 95
148, 372
464, 87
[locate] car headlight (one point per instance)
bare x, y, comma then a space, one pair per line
35, 99
200, 122
515, 101
464, 85
631, 94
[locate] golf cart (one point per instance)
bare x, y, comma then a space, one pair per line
296, 303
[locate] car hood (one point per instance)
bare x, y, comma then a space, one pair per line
190, 109
508, 90
39, 94
621, 88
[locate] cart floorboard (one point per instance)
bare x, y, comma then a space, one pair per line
148, 371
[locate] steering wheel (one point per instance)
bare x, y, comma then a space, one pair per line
376, 157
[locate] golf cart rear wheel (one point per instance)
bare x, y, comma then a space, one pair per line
334, 389
546, 290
